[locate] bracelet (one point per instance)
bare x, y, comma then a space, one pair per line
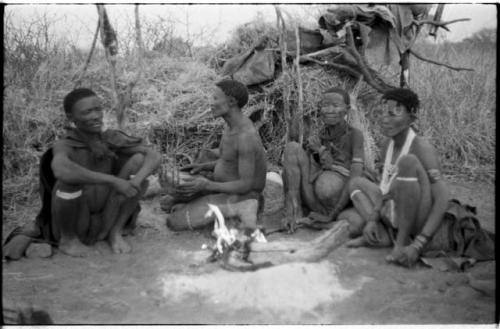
417, 244
422, 238
427, 237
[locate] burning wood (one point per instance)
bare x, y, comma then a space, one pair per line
231, 245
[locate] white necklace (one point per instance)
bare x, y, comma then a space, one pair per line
390, 170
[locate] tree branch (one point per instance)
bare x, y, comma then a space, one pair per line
379, 85
299, 116
442, 24
422, 58
286, 91
337, 66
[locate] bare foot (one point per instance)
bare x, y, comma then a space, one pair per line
167, 203
293, 212
357, 242
118, 244
73, 247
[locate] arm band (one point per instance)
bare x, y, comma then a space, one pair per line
357, 160
434, 175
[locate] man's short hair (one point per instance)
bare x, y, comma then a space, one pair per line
403, 96
234, 89
74, 96
340, 91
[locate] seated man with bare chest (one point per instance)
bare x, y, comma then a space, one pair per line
239, 174
90, 183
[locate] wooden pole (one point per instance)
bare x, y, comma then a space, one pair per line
437, 17
286, 89
299, 116
110, 43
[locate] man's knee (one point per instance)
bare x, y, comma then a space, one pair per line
356, 183
135, 162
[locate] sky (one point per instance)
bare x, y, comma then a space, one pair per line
216, 21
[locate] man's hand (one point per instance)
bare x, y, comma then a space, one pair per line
370, 232
405, 256
136, 183
313, 143
326, 159
192, 185
194, 168
125, 187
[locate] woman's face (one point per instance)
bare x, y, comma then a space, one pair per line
333, 108
395, 118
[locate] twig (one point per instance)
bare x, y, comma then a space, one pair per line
351, 47
334, 49
442, 24
89, 57
108, 38
422, 58
286, 105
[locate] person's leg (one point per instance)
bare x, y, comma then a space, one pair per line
411, 193
356, 222
191, 216
122, 207
366, 198
296, 181
70, 218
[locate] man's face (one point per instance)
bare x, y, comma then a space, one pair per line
87, 115
333, 108
395, 118
220, 103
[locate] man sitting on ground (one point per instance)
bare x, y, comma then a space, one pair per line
91, 181
239, 174
316, 177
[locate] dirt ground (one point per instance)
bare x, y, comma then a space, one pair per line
166, 280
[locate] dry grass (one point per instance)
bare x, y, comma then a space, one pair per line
458, 110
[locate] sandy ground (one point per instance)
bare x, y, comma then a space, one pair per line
166, 280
